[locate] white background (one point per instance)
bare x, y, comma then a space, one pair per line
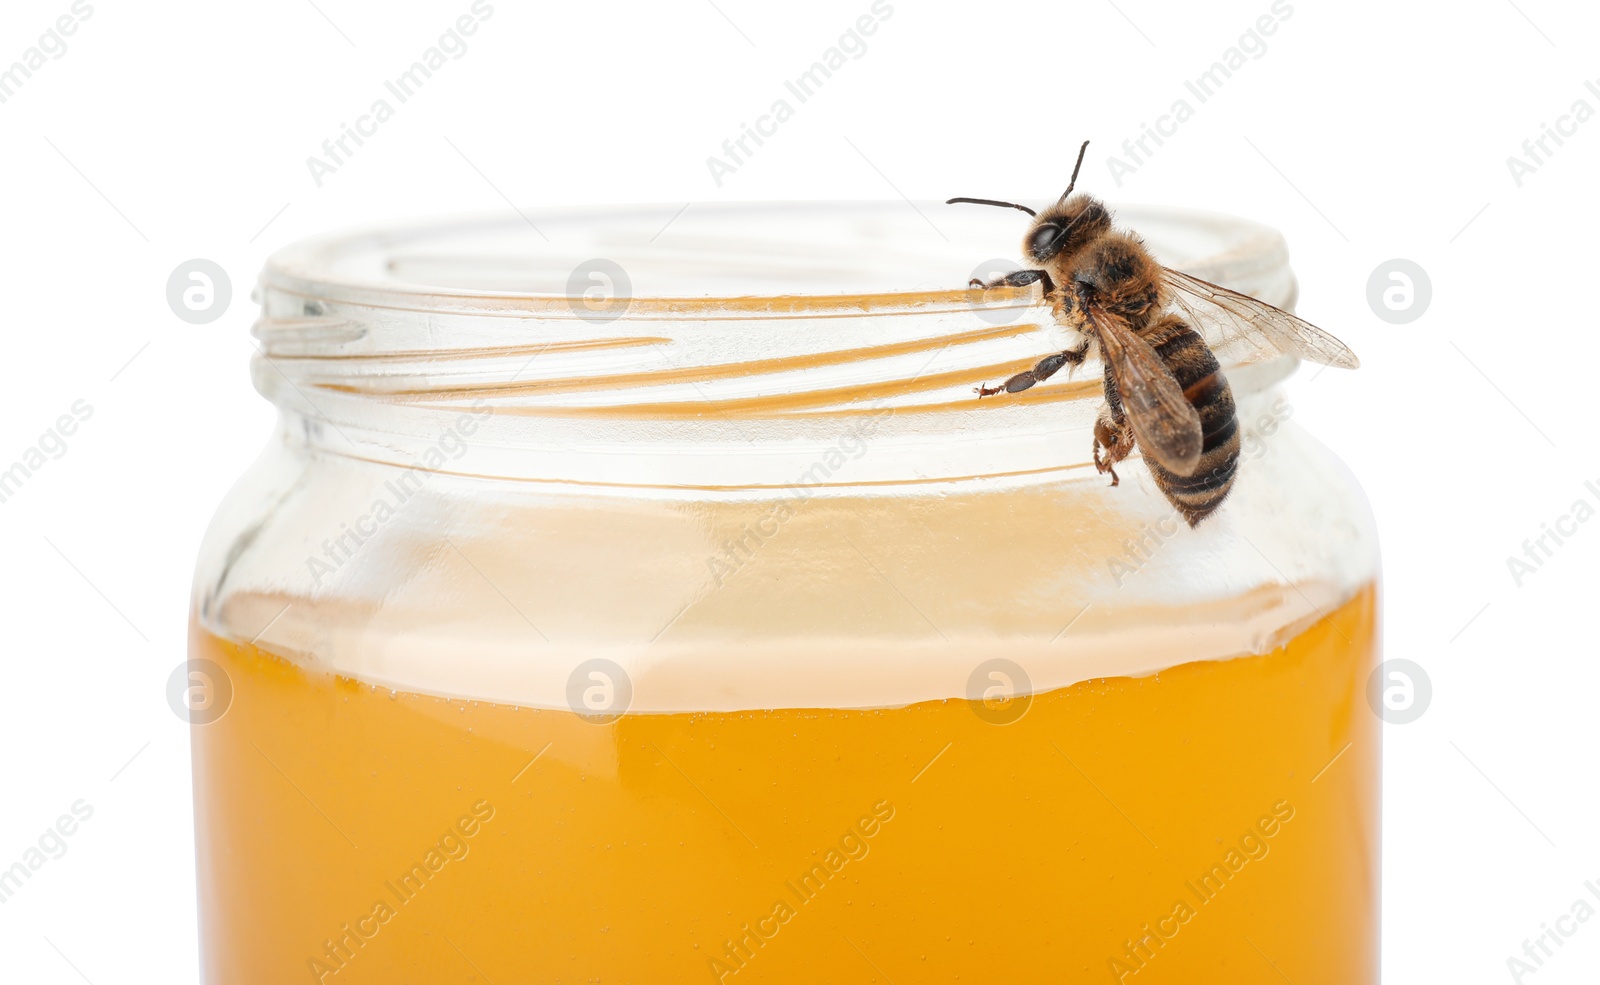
1366, 131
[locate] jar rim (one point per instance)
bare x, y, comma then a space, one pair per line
719, 259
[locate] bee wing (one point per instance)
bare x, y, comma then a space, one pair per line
1204, 303
1165, 425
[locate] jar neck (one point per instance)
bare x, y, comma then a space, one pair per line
677, 392
677, 412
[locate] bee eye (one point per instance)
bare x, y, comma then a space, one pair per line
1043, 240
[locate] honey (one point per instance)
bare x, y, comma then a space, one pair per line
1216, 821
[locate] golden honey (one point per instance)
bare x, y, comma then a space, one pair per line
1213, 822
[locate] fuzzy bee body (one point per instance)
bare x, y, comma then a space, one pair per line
1195, 368
1165, 391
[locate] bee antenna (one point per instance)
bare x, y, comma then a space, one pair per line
1073, 183
990, 201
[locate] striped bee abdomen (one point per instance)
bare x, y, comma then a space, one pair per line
1193, 365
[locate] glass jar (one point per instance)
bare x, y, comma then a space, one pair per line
641, 597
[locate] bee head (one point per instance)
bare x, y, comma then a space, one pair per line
1065, 228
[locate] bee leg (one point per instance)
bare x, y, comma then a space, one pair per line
1116, 437
1017, 278
1075, 357
1041, 371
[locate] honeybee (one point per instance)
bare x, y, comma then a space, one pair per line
1165, 392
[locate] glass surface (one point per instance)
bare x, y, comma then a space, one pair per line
891, 683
